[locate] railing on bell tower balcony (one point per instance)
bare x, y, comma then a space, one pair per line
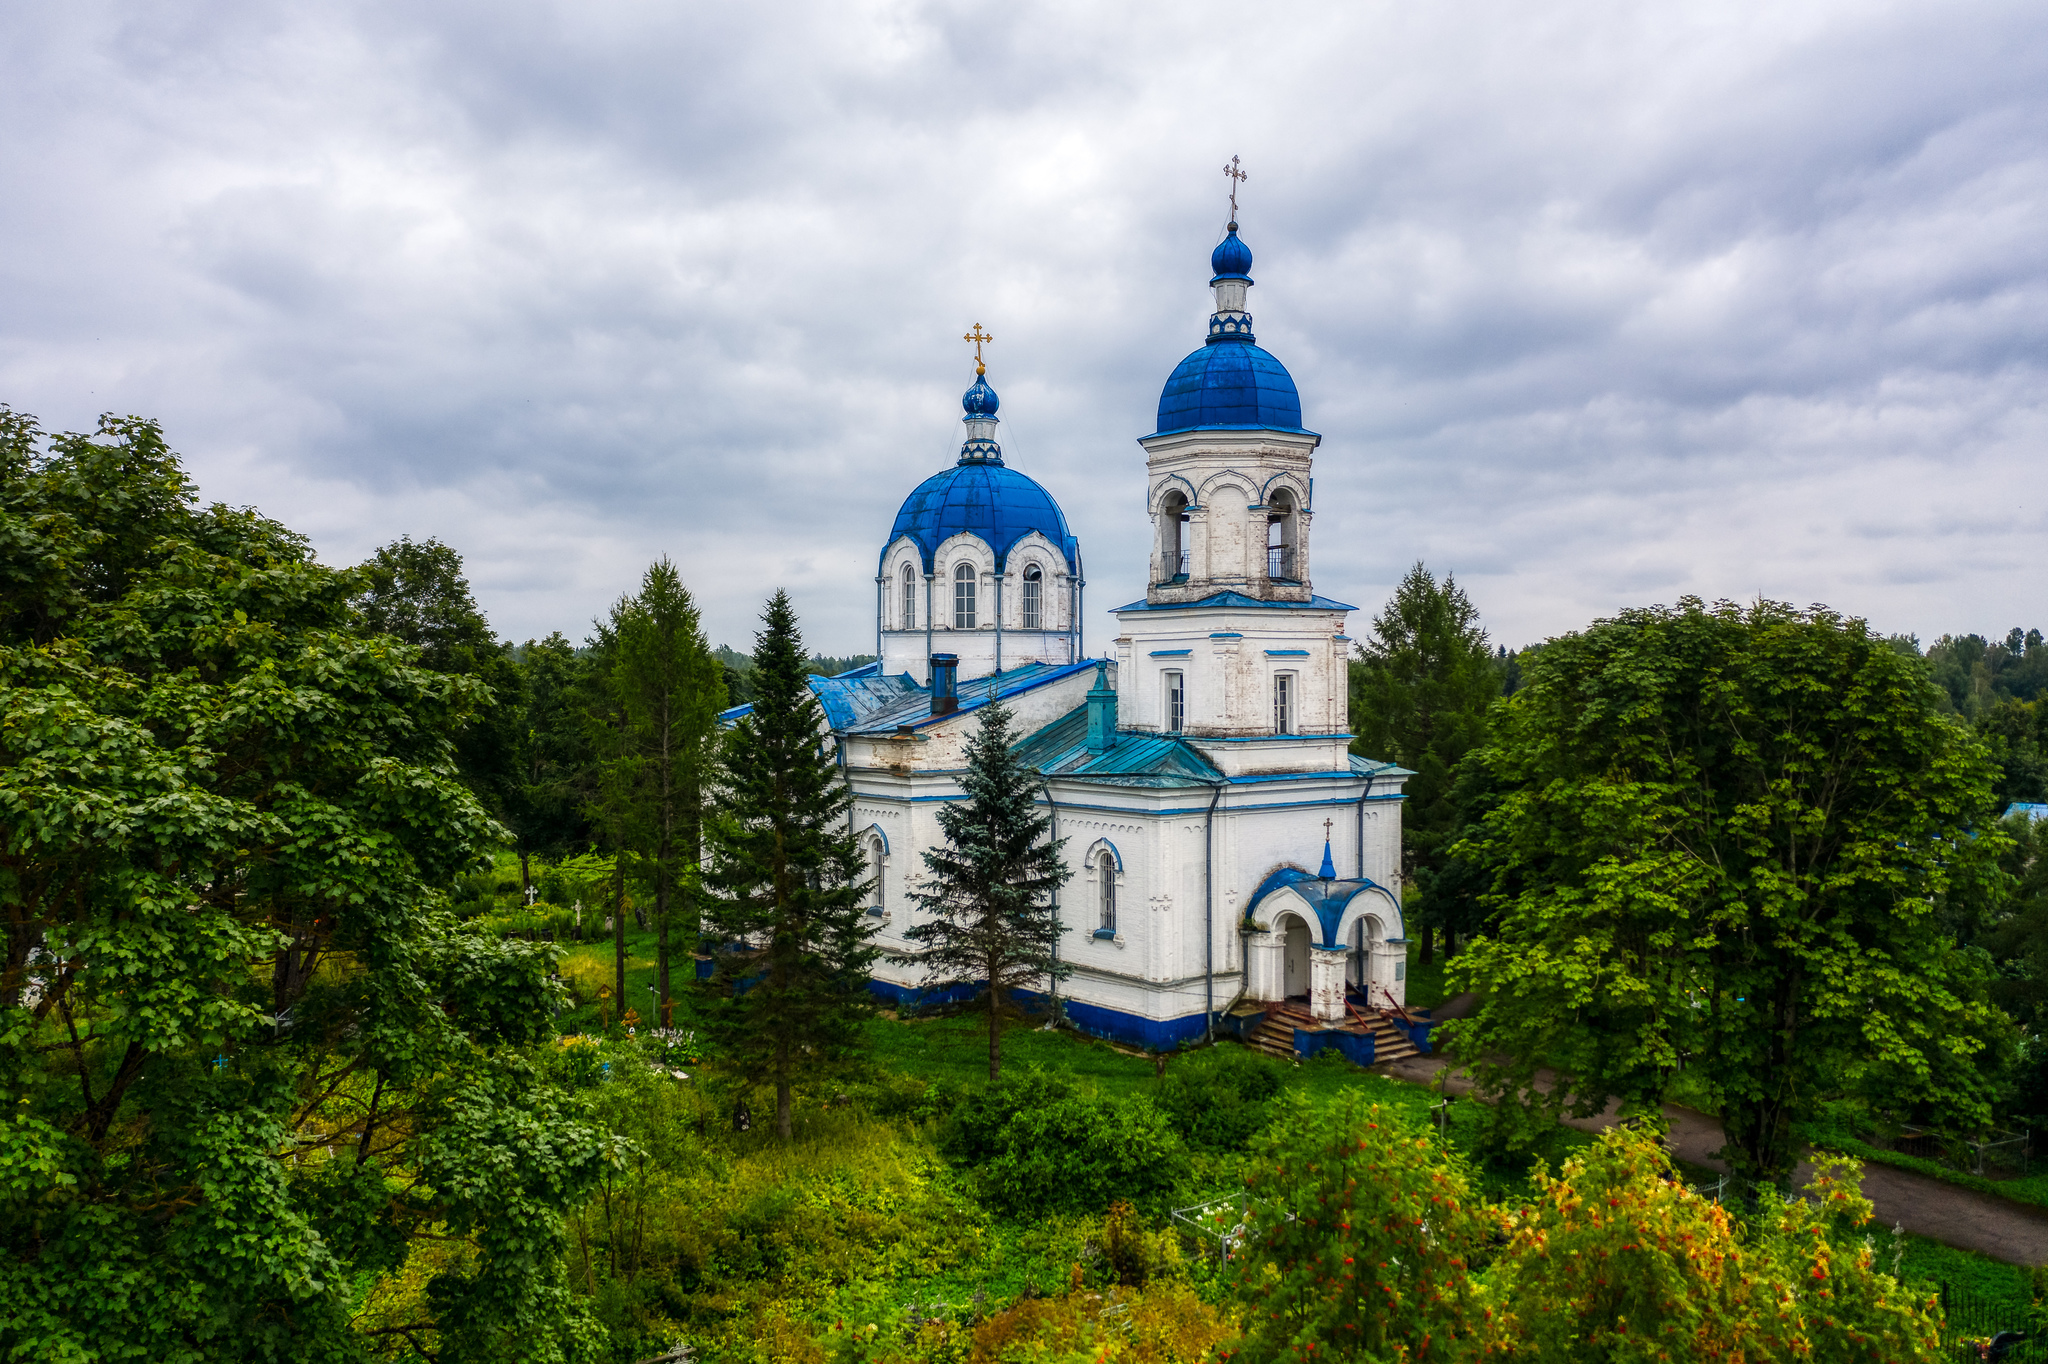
1280, 563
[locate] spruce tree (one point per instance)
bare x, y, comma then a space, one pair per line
785, 916
669, 689
989, 889
1420, 687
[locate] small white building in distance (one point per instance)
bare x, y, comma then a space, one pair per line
1224, 843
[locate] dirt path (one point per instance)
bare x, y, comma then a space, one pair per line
2014, 1232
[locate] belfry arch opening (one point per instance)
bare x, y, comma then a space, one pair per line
1283, 536
1173, 538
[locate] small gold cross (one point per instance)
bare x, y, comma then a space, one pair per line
977, 336
1237, 177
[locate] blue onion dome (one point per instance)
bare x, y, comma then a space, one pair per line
1238, 385
1232, 259
980, 400
987, 500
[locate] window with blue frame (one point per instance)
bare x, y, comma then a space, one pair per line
1106, 865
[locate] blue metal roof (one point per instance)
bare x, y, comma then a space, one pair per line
1230, 384
1133, 759
1241, 601
1326, 897
986, 499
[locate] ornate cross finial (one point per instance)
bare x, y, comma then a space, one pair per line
1237, 177
1326, 829
977, 336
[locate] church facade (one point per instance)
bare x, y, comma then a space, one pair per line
1224, 845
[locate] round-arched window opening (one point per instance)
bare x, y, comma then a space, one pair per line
1034, 598
963, 597
1106, 869
909, 597
1282, 549
1173, 537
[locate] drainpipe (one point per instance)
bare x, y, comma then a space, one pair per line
1363, 796
881, 600
927, 629
1053, 835
999, 631
1209, 915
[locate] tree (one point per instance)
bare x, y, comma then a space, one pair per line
1360, 1236
1616, 1259
1724, 841
415, 592
546, 809
1420, 687
246, 1056
789, 992
669, 691
990, 889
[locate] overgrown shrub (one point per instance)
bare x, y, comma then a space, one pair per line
1038, 1144
1221, 1097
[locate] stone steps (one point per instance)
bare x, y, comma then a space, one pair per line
1275, 1033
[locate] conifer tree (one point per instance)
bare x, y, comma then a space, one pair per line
1420, 686
785, 914
669, 690
990, 888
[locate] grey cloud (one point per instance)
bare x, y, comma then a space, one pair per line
1595, 303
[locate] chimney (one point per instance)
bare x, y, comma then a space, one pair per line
945, 683
1101, 711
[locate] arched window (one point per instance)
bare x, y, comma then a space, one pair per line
1034, 598
963, 597
1173, 537
877, 900
909, 597
1106, 869
1282, 551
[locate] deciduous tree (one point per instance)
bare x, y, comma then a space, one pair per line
246, 1057
1725, 838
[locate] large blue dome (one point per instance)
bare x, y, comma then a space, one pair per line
1229, 383
989, 500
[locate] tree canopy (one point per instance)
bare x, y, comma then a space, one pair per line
245, 1055
1726, 840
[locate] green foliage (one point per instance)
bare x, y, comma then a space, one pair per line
1221, 1097
545, 808
989, 889
235, 1026
790, 992
1727, 833
415, 592
1040, 1144
1361, 1236
1617, 1260
668, 691
1977, 673
1420, 686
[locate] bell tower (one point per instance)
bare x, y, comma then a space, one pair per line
1230, 643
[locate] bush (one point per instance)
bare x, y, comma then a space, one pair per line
1039, 1144
1220, 1098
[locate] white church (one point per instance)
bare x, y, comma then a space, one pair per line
1225, 847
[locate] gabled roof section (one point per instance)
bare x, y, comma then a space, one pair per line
1135, 759
906, 703
1327, 898
1239, 601
847, 696
1366, 767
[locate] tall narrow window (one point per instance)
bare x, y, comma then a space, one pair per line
1281, 547
909, 598
1106, 867
1283, 704
1034, 598
1175, 711
877, 901
963, 597
1173, 537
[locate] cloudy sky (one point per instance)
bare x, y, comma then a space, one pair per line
1596, 304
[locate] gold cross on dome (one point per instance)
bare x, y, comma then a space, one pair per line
977, 336
1237, 177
